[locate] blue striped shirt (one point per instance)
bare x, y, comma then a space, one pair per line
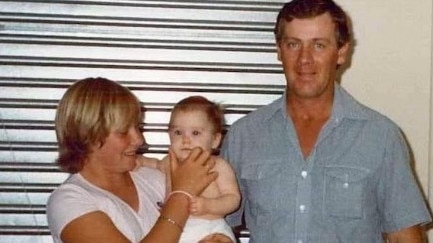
355, 184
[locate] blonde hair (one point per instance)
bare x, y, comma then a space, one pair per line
89, 110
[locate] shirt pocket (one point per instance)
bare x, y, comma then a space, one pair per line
257, 171
266, 185
344, 188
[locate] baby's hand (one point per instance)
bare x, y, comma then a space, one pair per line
145, 161
197, 206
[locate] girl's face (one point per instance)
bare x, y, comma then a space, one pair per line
191, 129
118, 153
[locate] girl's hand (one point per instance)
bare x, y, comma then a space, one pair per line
194, 174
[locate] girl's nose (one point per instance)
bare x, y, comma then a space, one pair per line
137, 138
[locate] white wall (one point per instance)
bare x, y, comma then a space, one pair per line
391, 71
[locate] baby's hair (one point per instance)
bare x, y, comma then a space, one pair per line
214, 111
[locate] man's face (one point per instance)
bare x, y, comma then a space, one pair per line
309, 54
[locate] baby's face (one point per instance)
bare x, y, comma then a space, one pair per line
191, 129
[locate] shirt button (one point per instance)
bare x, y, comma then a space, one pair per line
304, 174
302, 208
300, 241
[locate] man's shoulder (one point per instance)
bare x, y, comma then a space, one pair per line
352, 109
259, 116
377, 118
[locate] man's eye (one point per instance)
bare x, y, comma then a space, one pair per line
320, 46
292, 45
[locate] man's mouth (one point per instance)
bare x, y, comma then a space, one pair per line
302, 73
306, 75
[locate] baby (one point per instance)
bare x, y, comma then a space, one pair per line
197, 122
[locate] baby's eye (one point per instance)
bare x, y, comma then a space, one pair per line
177, 132
195, 133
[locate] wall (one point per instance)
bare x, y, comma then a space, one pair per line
392, 71
166, 50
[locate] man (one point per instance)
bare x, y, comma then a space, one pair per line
315, 165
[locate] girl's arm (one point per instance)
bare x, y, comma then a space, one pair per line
192, 177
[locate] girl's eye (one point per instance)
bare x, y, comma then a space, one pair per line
122, 132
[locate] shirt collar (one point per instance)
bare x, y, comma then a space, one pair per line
344, 106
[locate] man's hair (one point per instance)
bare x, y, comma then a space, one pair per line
302, 9
89, 110
213, 111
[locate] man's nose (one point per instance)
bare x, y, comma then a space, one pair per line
306, 55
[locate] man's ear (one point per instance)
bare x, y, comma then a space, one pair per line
278, 51
343, 53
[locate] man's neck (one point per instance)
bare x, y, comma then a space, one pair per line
309, 109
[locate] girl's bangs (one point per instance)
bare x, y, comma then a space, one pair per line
126, 113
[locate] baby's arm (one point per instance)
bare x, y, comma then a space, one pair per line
152, 163
229, 198
146, 161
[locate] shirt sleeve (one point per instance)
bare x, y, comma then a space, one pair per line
400, 199
65, 204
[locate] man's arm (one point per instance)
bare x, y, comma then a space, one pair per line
413, 234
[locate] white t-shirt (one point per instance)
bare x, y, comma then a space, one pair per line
76, 197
